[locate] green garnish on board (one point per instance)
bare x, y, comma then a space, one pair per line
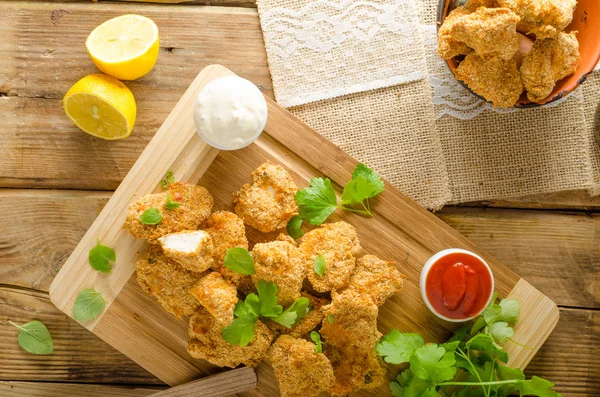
88, 305
152, 216
167, 180
318, 201
475, 348
34, 337
100, 258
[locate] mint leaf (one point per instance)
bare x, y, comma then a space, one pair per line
239, 260
100, 258
293, 314
316, 338
170, 204
152, 216
500, 331
167, 180
371, 177
240, 332
34, 337
317, 202
510, 310
267, 295
319, 266
88, 305
485, 343
294, 227
398, 348
433, 363
537, 387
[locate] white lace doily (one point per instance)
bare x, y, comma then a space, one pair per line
322, 49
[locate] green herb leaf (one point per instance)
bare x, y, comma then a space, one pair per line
492, 313
34, 337
248, 308
485, 343
293, 314
500, 331
506, 373
294, 227
100, 257
167, 180
330, 319
240, 332
170, 204
239, 260
317, 202
88, 305
433, 363
409, 385
319, 266
478, 325
510, 310
372, 177
316, 338
267, 295
398, 348
356, 191
152, 216
537, 387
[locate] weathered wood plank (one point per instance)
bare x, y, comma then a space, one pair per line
48, 389
569, 200
79, 356
555, 251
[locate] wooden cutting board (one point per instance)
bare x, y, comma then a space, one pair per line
400, 230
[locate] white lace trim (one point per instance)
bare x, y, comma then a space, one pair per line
322, 49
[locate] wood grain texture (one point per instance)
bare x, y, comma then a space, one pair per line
220, 385
47, 389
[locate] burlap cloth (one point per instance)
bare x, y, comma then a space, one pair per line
407, 117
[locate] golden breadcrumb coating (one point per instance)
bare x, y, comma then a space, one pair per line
310, 322
377, 278
283, 264
269, 202
491, 32
497, 80
448, 46
206, 342
544, 18
198, 260
217, 295
195, 206
548, 61
168, 282
289, 239
338, 243
350, 333
228, 231
299, 369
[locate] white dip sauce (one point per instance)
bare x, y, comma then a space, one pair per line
230, 113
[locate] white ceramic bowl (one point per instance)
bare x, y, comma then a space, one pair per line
427, 268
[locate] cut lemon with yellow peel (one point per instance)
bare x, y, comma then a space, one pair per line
124, 47
102, 106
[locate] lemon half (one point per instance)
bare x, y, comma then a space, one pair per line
102, 106
124, 47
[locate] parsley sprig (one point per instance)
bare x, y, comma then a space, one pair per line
247, 312
318, 201
474, 348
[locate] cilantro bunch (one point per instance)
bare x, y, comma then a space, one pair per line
319, 201
247, 312
475, 348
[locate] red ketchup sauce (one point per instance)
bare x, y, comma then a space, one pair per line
458, 286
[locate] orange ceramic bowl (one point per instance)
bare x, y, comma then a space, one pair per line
586, 21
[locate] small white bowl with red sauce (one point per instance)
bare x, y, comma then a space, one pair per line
456, 284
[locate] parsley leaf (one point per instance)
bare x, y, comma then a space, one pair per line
319, 266
317, 202
330, 319
537, 387
398, 348
316, 338
88, 305
294, 227
100, 258
240, 332
510, 310
293, 314
500, 331
356, 191
239, 260
433, 363
152, 216
267, 295
34, 337
371, 177
485, 343
167, 180
170, 204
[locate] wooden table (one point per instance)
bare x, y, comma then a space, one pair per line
54, 180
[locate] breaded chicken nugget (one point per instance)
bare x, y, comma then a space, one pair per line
192, 249
311, 321
269, 202
227, 231
168, 282
283, 264
377, 278
544, 18
448, 46
549, 61
491, 32
206, 342
337, 243
195, 205
497, 80
350, 333
299, 369
217, 295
